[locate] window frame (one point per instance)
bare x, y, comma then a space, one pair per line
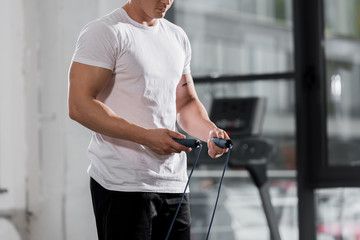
311, 86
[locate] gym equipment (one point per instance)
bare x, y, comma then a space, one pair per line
243, 118
252, 154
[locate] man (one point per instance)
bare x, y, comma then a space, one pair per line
129, 82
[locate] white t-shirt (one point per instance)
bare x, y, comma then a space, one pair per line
147, 64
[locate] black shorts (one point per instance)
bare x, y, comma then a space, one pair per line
139, 215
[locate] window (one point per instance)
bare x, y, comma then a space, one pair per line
342, 48
240, 49
238, 37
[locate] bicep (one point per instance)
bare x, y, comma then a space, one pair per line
86, 80
185, 92
85, 83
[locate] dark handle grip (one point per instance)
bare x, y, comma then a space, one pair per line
223, 143
191, 143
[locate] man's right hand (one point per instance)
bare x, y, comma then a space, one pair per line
161, 141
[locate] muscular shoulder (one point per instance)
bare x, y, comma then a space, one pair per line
108, 29
97, 29
105, 25
99, 42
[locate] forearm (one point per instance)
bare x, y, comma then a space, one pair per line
193, 118
98, 117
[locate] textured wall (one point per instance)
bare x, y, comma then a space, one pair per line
13, 149
42, 153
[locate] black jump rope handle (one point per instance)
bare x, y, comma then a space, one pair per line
194, 143
223, 143
191, 143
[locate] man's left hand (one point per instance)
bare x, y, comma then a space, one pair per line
214, 150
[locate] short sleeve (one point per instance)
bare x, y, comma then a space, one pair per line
187, 48
97, 46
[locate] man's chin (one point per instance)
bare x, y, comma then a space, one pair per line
159, 16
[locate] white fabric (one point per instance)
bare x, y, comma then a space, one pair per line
8, 231
147, 64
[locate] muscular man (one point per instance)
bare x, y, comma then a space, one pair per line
130, 82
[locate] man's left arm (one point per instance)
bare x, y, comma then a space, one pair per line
193, 117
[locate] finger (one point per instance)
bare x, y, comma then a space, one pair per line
177, 147
226, 135
214, 154
215, 150
168, 150
177, 135
213, 133
174, 150
219, 133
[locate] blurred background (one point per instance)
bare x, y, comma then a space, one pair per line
241, 49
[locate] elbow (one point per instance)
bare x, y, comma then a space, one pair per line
73, 112
72, 115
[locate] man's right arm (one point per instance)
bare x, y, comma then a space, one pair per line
85, 83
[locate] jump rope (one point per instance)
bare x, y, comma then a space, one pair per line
194, 143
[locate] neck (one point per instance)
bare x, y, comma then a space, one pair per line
137, 14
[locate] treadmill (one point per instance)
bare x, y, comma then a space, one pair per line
242, 118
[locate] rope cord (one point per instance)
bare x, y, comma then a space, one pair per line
187, 184
219, 190
182, 197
